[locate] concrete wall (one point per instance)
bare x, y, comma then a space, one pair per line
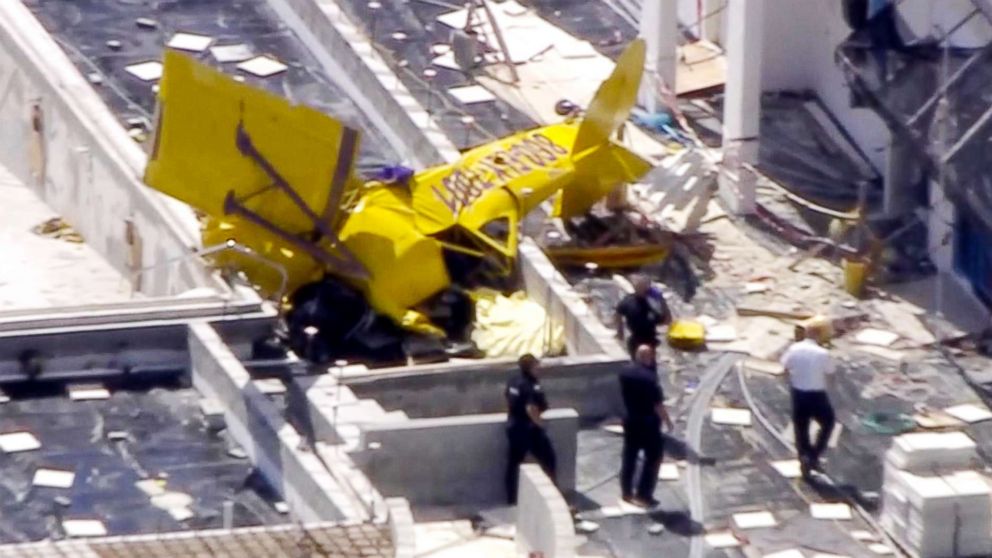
584, 333
272, 444
801, 38
349, 58
587, 384
543, 522
82, 163
401, 528
149, 339
456, 460
799, 42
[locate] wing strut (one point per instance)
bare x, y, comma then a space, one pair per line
346, 263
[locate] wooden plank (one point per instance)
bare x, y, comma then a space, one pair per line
780, 313
700, 68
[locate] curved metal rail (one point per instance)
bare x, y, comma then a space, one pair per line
708, 385
777, 434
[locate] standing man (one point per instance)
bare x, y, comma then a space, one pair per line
526, 401
642, 312
645, 412
810, 368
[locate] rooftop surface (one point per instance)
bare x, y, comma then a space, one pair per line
292, 541
735, 472
44, 271
721, 469
84, 28
136, 456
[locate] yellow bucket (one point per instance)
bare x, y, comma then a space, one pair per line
855, 273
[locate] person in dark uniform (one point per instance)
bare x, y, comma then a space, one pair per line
642, 312
525, 401
644, 403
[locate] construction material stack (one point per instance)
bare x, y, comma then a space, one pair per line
934, 504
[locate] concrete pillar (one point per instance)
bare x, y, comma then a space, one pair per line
942, 219
659, 28
903, 178
742, 104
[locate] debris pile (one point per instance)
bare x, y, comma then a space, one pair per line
57, 228
606, 239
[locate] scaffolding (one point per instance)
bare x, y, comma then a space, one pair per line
934, 99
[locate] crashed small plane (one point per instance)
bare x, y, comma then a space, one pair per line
278, 178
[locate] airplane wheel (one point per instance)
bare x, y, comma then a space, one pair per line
325, 316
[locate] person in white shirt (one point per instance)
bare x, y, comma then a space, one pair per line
810, 368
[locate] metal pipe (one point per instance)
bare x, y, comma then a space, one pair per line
217, 248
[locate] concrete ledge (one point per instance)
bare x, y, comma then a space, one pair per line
126, 312
543, 522
273, 445
584, 333
242, 541
456, 461
587, 384
127, 344
401, 528
84, 165
326, 30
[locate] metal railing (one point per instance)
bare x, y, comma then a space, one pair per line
230, 245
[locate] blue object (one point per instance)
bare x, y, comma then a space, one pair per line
656, 121
660, 123
393, 174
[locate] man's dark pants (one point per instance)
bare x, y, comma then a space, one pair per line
807, 406
641, 435
524, 439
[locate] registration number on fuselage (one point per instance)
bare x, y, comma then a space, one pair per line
466, 184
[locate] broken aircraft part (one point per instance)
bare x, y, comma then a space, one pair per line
261, 172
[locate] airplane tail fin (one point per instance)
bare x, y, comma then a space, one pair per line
596, 175
614, 100
600, 164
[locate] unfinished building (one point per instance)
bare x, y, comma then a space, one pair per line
143, 411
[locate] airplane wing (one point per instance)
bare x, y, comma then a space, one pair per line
245, 155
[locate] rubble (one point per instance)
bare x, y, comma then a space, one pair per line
77, 528
789, 469
755, 520
190, 42
970, 413
53, 478
472, 94
835, 512
57, 228
263, 66
231, 53
145, 71
88, 392
146, 23
15, 442
729, 416
876, 337
722, 540
668, 472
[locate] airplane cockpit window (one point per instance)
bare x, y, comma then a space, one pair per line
498, 230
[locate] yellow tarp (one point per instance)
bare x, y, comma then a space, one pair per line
513, 326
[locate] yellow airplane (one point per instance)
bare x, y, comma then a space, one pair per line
278, 178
